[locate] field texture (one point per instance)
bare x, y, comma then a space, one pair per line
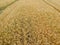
29, 22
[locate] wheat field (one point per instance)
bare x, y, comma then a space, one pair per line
29, 22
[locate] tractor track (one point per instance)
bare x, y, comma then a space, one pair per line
48, 3
1, 12
3, 8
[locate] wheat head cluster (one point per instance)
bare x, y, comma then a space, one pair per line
29, 22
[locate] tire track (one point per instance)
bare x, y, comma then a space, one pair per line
8, 9
3, 8
48, 3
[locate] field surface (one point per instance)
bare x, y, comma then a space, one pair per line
29, 22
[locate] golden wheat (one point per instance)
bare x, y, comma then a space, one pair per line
30, 22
